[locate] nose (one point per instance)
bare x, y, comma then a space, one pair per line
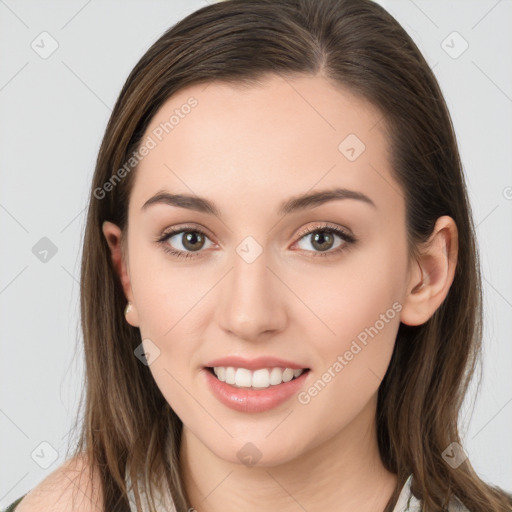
252, 300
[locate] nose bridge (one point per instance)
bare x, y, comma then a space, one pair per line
251, 302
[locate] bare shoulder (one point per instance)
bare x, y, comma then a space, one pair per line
69, 487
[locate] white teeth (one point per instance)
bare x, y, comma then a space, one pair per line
287, 375
221, 373
260, 379
243, 378
276, 376
230, 375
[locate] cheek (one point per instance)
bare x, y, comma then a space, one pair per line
357, 307
352, 296
364, 316
164, 289
354, 357
169, 309
173, 305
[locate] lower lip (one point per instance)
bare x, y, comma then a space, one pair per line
253, 400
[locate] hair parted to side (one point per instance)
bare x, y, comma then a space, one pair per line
358, 46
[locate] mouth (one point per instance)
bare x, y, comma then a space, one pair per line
257, 391
259, 379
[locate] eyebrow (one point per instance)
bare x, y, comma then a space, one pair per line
294, 204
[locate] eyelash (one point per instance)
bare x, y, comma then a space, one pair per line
326, 228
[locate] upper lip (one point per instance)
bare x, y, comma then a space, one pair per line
256, 363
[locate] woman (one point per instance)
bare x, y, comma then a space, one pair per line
280, 289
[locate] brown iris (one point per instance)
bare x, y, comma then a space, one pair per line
322, 240
191, 239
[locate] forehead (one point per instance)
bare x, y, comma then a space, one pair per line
281, 138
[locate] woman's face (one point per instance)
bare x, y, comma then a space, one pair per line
253, 284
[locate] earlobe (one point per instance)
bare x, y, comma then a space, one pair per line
432, 274
113, 235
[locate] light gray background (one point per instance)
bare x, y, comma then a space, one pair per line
54, 112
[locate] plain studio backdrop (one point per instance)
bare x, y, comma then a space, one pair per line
63, 65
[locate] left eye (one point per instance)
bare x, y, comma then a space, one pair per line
324, 243
323, 239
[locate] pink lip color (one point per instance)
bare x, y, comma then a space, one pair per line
254, 364
253, 400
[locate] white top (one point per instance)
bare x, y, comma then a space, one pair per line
407, 502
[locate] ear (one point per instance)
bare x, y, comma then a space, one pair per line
114, 237
432, 273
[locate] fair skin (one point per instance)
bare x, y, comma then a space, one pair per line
247, 151
69, 487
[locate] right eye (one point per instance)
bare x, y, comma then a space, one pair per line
187, 239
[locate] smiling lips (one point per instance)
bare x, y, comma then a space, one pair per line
254, 385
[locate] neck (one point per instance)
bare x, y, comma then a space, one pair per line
344, 474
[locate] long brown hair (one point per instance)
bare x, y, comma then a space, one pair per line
359, 46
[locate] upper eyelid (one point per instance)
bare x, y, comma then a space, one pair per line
327, 226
